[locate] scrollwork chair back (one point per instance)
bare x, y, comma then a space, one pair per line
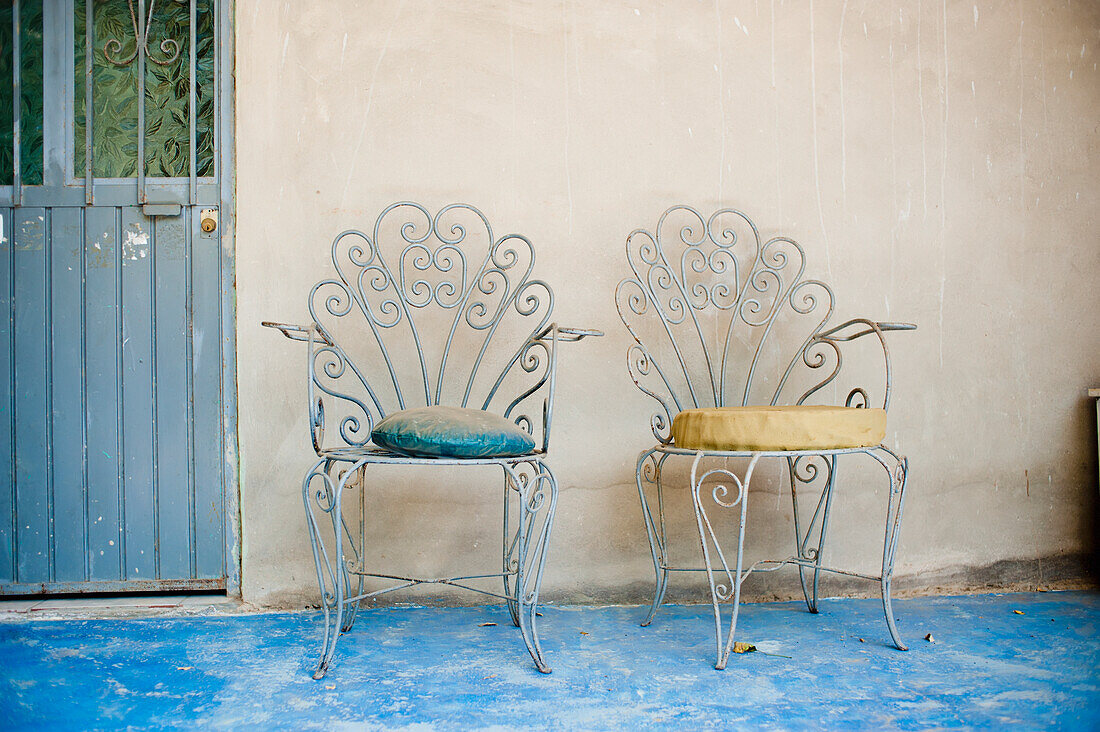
721, 316
416, 274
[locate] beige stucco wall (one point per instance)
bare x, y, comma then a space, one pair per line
939, 162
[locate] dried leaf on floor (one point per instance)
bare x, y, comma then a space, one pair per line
184, 668
485, 625
740, 647
330, 686
584, 632
1018, 612
929, 638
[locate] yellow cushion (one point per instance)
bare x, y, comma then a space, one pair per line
778, 428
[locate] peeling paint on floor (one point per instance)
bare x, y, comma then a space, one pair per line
992, 660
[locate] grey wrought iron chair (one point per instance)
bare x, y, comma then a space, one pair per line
369, 358
710, 305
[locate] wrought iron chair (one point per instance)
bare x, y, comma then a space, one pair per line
710, 306
368, 358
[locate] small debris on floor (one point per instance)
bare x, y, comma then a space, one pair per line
862, 641
740, 647
584, 632
929, 638
1018, 612
330, 686
485, 625
184, 668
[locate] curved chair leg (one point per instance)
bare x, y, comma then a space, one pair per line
538, 493
730, 587
331, 571
510, 544
815, 554
326, 499
650, 470
898, 478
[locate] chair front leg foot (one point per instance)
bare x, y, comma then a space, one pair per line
658, 596
727, 586
528, 617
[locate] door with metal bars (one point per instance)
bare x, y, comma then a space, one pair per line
116, 341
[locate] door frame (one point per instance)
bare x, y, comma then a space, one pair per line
225, 78
74, 195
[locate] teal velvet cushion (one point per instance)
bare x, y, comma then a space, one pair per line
440, 431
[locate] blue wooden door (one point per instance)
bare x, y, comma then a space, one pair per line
115, 296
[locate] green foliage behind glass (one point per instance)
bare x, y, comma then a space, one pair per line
115, 91
30, 73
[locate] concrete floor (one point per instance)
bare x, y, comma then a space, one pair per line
1028, 658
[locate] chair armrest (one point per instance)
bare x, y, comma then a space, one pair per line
566, 335
850, 331
298, 332
869, 326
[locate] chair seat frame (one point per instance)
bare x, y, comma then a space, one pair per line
387, 297
753, 289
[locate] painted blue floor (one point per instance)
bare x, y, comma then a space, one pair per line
989, 666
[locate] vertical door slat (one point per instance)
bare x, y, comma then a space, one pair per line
8, 518
138, 396
66, 414
101, 315
47, 334
174, 505
32, 528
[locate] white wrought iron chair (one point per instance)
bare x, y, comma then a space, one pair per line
369, 357
710, 306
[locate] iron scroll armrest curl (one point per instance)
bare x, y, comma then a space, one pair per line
852, 330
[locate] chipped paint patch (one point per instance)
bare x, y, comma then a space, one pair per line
135, 244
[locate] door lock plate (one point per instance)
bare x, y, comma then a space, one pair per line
208, 220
